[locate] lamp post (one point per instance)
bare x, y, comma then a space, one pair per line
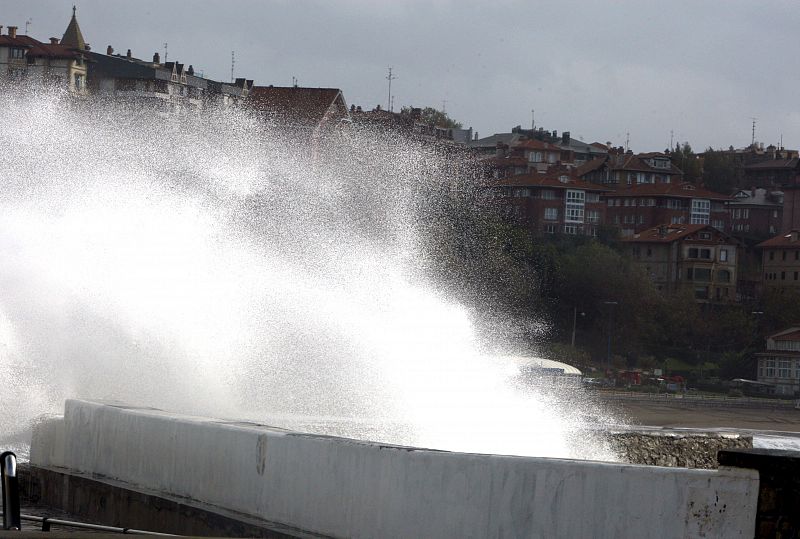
575, 323
611, 305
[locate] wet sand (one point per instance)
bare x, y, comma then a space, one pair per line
672, 415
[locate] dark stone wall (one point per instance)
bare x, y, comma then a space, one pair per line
674, 448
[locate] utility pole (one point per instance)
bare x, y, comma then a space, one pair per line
390, 78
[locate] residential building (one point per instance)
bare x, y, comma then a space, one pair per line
756, 212
620, 169
696, 257
641, 206
59, 63
555, 202
167, 87
780, 261
772, 173
580, 151
410, 123
779, 365
527, 156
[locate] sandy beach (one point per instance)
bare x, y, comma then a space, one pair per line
662, 414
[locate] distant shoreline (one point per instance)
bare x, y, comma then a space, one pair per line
677, 414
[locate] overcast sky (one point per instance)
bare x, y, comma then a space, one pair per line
597, 69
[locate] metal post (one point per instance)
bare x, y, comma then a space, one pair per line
8, 473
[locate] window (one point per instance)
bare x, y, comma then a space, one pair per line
17, 53
769, 368
701, 292
698, 274
570, 229
636, 251
641, 219
701, 209
550, 229
610, 202
783, 276
551, 214
705, 235
547, 194
723, 255
724, 276
574, 206
520, 192
593, 216
80, 81
784, 368
535, 157
592, 197
649, 251
772, 255
783, 254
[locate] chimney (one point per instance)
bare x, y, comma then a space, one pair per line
12, 32
565, 137
128, 54
109, 50
190, 71
156, 58
555, 133
753, 191
54, 41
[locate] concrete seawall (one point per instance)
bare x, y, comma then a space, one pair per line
345, 488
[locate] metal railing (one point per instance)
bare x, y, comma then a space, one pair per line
12, 518
47, 522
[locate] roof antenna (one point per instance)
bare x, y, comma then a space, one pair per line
27, 24
165, 53
233, 63
533, 120
390, 78
753, 139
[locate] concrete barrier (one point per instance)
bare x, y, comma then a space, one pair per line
345, 488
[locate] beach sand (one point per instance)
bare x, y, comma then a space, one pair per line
675, 415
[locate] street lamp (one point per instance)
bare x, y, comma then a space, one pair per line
611, 305
575, 323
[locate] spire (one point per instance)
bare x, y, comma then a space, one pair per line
72, 36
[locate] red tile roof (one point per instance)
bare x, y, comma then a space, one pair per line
591, 166
306, 106
674, 190
786, 240
550, 180
774, 164
38, 49
791, 334
667, 233
537, 145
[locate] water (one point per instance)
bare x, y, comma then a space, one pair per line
215, 265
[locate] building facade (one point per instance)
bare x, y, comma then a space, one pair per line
698, 258
780, 261
555, 202
779, 365
27, 62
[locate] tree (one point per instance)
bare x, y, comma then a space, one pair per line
685, 159
437, 118
719, 171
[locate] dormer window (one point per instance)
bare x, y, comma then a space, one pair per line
17, 53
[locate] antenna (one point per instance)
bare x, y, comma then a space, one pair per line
781, 141
753, 139
671, 135
294, 82
390, 78
627, 141
27, 24
444, 106
391, 109
233, 63
165, 52
533, 120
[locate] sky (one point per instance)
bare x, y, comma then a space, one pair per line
639, 70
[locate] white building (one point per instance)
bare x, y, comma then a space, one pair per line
780, 364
